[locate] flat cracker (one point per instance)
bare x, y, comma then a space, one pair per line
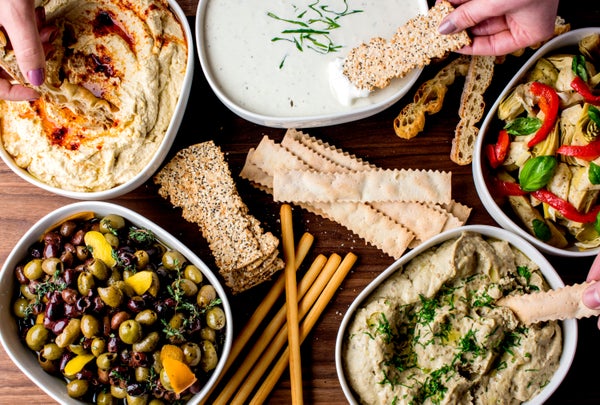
559, 304
362, 186
414, 45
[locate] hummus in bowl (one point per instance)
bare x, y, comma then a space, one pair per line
117, 85
427, 331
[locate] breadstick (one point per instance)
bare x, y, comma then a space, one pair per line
307, 325
280, 339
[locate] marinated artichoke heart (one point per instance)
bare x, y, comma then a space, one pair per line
576, 124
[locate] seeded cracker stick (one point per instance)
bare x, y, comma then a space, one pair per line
415, 44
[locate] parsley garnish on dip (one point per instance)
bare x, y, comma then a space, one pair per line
431, 334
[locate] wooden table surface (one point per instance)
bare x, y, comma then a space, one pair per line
372, 139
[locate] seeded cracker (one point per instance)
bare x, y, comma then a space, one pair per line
415, 44
198, 180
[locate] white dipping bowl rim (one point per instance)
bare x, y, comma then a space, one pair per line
570, 38
26, 360
309, 121
159, 155
569, 326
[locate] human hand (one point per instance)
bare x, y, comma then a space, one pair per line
500, 27
591, 296
25, 29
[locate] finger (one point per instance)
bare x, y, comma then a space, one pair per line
26, 43
469, 14
16, 92
490, 26
594, 273
591, 296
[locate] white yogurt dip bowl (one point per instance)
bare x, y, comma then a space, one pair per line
256, 68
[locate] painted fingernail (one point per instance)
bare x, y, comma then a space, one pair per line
446, 27
591, 298
36, 77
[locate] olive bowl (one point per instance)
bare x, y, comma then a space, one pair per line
482, 173
26, 360
161, 152
569, 326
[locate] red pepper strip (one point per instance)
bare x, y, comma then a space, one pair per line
497, 152
565, 208
586, 152
508, 187
548, 102
581, 87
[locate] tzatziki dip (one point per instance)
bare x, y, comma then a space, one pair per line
275, 59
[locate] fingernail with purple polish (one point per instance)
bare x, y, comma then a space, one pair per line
36, 77
446, 27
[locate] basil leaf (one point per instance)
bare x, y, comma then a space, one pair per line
541, 230
579, 68
594, 173
536, 172
523, 125
594, 114
597, 223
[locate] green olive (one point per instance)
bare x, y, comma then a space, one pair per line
130, 331
90, 326
77, 388
105, 360
105, 398
146, 317
193, 273
51, 265
173, 260
125, 288
118, 392
164, 380
69, 334
111, 295
26, 292
206, 295
112, 240
142, 374
156, 402
85, 283
36, 337
215, 318
82, 252
115, 276
147, 344
188, 287
111, 222
191, 353
21, 307
142, 258
48, 366
33, 269
51, 351
77, 349
155, 286
208, 334
139, 400
209, 358
98, 346
98, 269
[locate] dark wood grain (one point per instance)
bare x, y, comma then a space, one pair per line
372, 139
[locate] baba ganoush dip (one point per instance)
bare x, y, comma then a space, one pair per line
431, 334
113, 82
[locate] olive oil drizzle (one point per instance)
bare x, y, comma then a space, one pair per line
311, 27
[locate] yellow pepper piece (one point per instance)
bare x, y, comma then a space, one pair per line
180, 375
101, 249
172, 352
140, 281
77, 363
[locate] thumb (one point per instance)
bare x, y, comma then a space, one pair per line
466, 16
23, 33
591, 296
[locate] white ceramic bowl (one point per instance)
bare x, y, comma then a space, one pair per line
159, 155
569, 326
480, 167
25, 359
241, 22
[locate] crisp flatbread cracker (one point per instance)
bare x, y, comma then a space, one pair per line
414, 45
362, 186
559, 304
